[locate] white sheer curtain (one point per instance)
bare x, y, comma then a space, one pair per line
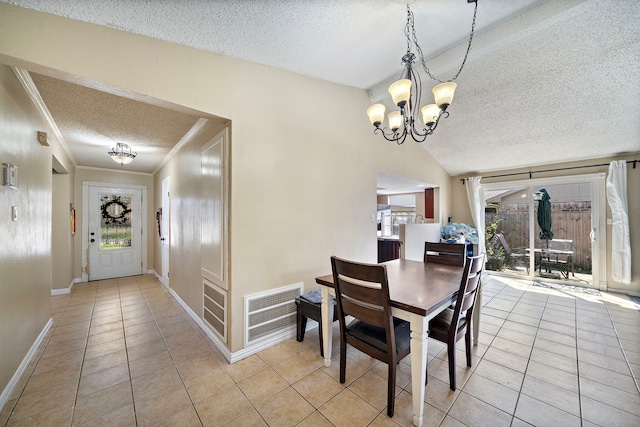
620, 242
475, 194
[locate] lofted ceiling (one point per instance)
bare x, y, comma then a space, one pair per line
547, 81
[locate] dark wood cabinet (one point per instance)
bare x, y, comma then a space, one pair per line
388, 249
429, 210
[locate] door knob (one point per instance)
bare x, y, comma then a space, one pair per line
162, 239
93, 234
92, 240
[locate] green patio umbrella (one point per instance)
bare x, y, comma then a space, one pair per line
544, 216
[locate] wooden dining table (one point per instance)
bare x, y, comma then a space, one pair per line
418, 292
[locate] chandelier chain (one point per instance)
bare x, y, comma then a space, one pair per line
410, 33
407, 91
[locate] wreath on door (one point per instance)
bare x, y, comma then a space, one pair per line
114, 210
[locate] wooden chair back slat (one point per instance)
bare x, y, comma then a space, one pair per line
445, 253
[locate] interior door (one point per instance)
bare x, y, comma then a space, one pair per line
164, 231
114, 232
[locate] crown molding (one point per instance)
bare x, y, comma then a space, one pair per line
27, 83
197, 127
113, 170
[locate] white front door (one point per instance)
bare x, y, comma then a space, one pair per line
114, 232
164, 231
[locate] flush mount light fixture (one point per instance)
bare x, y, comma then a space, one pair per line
407, 91
122, 154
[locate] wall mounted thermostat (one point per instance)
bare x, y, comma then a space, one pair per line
9, 175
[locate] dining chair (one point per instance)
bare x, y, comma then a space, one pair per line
454, 323
362, 291
445, 253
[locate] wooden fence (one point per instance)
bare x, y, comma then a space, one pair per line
571, 221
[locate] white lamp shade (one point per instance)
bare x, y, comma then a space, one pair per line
376, 114
443, 93
395, 120
123, 160
430, 113
400, 92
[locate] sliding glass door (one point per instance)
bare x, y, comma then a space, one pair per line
568, 250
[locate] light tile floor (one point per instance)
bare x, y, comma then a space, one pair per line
124, 353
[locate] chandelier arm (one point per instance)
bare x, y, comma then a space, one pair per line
464, 60
443, 115
391, 136
401, 140
428, 130
421, 137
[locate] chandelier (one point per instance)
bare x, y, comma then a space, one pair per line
407, 91
122, 154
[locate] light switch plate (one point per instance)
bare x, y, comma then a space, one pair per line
9, 175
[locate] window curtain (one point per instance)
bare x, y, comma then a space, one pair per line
620, 242
475, 194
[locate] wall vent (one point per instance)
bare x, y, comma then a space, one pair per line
214, 311
270, 313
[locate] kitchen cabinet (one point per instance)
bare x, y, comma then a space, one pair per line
388, 249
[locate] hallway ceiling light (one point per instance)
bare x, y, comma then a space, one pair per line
122, 154
407, 91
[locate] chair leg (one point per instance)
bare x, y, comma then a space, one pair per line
391, 389
451, 353
321, 341
343, 360
301, 322
467, 345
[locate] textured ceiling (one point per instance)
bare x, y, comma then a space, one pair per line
547, 81
353, 42
80, 112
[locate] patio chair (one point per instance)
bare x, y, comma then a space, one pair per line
513, 257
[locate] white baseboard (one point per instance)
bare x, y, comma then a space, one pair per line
68, 290
624, 291
262, 345
158, 277
8, 390
233, 357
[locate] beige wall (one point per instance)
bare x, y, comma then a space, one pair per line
304, 157
462, 213
184, 188
25, 252
111, 176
